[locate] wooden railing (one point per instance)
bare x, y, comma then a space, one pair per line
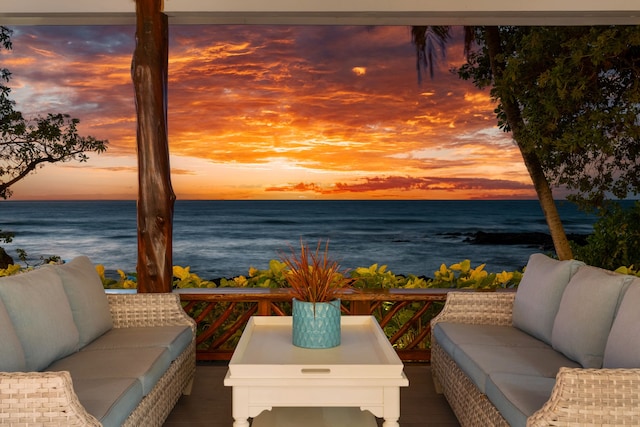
222, 313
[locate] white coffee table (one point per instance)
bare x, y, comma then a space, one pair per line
267, 371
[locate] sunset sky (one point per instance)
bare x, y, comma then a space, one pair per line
269, 112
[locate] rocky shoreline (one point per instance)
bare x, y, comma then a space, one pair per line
539, 240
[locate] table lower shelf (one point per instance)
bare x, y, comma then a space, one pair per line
314, 417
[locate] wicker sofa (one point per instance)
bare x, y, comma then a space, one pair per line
564, 350
72, 355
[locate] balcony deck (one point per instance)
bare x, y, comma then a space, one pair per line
210, 401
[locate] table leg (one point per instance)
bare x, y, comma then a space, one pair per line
240, 422
391, 410
240, 406
388, 423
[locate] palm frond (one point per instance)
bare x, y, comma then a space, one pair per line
428, 40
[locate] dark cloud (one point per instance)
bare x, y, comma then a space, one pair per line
406, 183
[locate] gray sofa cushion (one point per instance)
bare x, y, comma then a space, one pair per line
87, 299
145, 364
623, 344
173, 338
450, 335
41, 315
539, 294
483, 350
517, 397
11, 353
586, 313
478, 362
110, 400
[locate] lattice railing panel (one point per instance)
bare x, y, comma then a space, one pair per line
222, 313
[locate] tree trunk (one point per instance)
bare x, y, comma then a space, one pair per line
155, 195
531, 160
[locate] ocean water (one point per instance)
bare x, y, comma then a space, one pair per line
224, 238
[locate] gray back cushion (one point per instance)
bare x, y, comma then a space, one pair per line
586, 314
11, 353
87, 299
41, 315
539, 294
623, 344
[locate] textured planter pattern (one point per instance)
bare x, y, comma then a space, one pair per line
316, 325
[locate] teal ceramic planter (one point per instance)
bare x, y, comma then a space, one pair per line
316, 325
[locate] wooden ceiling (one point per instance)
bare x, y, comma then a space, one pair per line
334, 12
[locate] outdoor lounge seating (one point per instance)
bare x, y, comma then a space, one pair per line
72, 355
562, 350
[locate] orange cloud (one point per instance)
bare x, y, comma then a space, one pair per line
359, 71
280, 104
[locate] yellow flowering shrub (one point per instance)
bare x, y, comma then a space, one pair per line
628, 270
11, 270
462, 276
183, 278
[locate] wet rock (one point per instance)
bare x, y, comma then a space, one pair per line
537, 239
5, 259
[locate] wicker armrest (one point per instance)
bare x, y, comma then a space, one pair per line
593, 397
161, 309
41, 398
492, 308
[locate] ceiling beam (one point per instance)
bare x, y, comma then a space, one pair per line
329, 12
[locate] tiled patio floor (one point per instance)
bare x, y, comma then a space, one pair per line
210, 402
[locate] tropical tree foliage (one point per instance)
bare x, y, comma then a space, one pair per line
29, 143
578, 92
570, 98
615, 240
493, 61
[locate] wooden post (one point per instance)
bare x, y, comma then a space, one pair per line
361, 307
155, 195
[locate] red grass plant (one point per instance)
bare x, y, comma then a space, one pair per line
313, 276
